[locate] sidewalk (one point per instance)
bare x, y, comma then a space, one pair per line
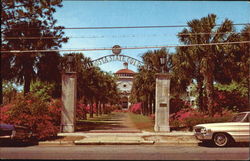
124, 132
168, 139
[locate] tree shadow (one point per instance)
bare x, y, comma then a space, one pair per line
88, 126
14, 143
232, 145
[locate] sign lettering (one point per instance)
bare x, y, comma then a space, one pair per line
123, 58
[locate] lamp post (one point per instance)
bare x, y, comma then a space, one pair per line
162, 97
70, 62
68, 96
163, 63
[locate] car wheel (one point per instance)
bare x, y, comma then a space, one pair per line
221, 139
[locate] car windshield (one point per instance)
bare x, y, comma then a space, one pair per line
238, 117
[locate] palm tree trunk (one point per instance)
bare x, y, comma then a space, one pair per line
150, 104
100, 108
200, 94
97, 108
104, 108
142, 108
210, 93
91, 109
147, 105
27, 82
153, 111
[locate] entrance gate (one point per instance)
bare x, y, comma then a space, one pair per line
69, 93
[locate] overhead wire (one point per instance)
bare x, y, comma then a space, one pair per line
119, 36
118, 27
124, 48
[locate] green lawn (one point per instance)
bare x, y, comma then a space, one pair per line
109, 121
101, 122
142, 122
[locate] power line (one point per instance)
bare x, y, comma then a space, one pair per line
124, 48
118, 27
121, 36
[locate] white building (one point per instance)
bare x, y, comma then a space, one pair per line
124, 84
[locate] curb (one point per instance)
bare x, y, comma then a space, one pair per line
113, 142
54, 143
150, 138
163, 143
176, 143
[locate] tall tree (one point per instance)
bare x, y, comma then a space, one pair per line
186, 68
204, 31
21, 21
143, 89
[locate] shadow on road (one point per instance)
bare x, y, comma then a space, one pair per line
10, 143
233, 145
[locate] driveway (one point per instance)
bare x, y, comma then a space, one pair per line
114, 122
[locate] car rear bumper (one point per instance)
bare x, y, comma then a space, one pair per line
17, 136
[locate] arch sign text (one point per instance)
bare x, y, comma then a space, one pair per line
123, 58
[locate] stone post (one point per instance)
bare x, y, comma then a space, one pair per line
162, 97
69, 102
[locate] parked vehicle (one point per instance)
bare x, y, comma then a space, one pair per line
15, 133
223, 134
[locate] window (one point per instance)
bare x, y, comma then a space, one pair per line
238, 117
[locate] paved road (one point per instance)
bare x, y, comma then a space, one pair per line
125, 152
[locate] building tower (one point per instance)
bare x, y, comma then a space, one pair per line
124, 84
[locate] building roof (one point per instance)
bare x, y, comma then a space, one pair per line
125, 71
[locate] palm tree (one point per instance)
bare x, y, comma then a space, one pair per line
207, 56
143, 89
186, 67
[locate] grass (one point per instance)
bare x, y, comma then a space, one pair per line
100, 118
109, 121
101, 122
142, 122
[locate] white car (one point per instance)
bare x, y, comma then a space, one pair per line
222, 134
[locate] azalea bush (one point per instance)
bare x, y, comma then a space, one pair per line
43, 118
136, 108
231, 100
176, 104
81, 111
190, 117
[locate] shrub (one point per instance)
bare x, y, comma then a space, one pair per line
9, 92
176, 104
136, 108
81, 111
152, 116
191, 117
41, 117
43, 90
230, 100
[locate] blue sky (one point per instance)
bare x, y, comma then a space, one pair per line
138, 13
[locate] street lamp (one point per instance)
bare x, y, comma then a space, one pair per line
163, 63
70, 61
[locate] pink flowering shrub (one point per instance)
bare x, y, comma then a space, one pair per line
81, 111
43, 118
176, 104
152, 116
136, 108
190, 117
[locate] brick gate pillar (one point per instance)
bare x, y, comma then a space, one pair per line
69, 97
162, 97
